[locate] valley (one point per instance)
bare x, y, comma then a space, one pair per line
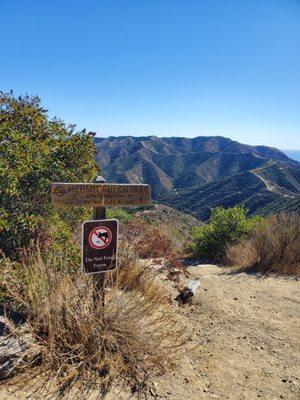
196, 175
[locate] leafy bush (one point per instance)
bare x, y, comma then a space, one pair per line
273, 246
226, 227
120, 214
36, 151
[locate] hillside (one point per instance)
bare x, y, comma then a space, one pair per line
198, 174
161, 214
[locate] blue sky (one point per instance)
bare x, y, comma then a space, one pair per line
160, 67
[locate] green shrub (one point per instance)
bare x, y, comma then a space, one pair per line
226, 227
120, 214
34, 152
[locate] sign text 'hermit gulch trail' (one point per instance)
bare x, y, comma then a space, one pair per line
99, 194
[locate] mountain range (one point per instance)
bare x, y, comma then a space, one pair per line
197, 174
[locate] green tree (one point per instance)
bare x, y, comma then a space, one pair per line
226, 227
34, 152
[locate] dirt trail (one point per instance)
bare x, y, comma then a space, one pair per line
248, 334
248, 330
271, 187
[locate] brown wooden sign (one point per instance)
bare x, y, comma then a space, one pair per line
99, 246
100, 194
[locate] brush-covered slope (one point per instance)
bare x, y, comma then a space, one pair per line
197, 174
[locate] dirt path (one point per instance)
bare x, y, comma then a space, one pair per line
271, 188
247, 330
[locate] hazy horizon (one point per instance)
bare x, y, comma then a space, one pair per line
293, 154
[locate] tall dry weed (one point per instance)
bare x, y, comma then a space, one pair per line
160, 242
138, 275
150, 241
273, 246
87, 347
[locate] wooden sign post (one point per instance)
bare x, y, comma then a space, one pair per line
99, 279
99, 194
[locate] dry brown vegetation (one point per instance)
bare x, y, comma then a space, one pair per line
138, 275
273, 246
161, 242
154, 240
84, 346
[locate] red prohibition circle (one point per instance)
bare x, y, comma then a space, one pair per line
95, 240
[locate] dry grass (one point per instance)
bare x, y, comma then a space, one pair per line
159, 242
154, 240
139, 275
273, 246
86, 347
